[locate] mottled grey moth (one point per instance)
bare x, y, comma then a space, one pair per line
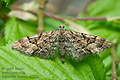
72, 43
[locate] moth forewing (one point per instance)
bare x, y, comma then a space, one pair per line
72, 43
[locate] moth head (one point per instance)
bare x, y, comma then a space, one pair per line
61, 26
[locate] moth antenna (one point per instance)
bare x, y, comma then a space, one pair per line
70, 20
52, 18
58, 22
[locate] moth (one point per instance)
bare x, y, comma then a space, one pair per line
74, 44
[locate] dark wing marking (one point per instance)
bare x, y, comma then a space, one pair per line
42, 45
79, 44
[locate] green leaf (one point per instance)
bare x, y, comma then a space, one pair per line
16, 29
9, 2
104, 8
3, 10
2, 42
90, 68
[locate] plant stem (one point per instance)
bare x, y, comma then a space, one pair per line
115, 61
62, 19
40, 15
76, 19
53, 16
90, 18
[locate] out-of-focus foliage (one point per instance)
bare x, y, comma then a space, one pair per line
92, 67
8, 2
5, 6
4, 9
104, 8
